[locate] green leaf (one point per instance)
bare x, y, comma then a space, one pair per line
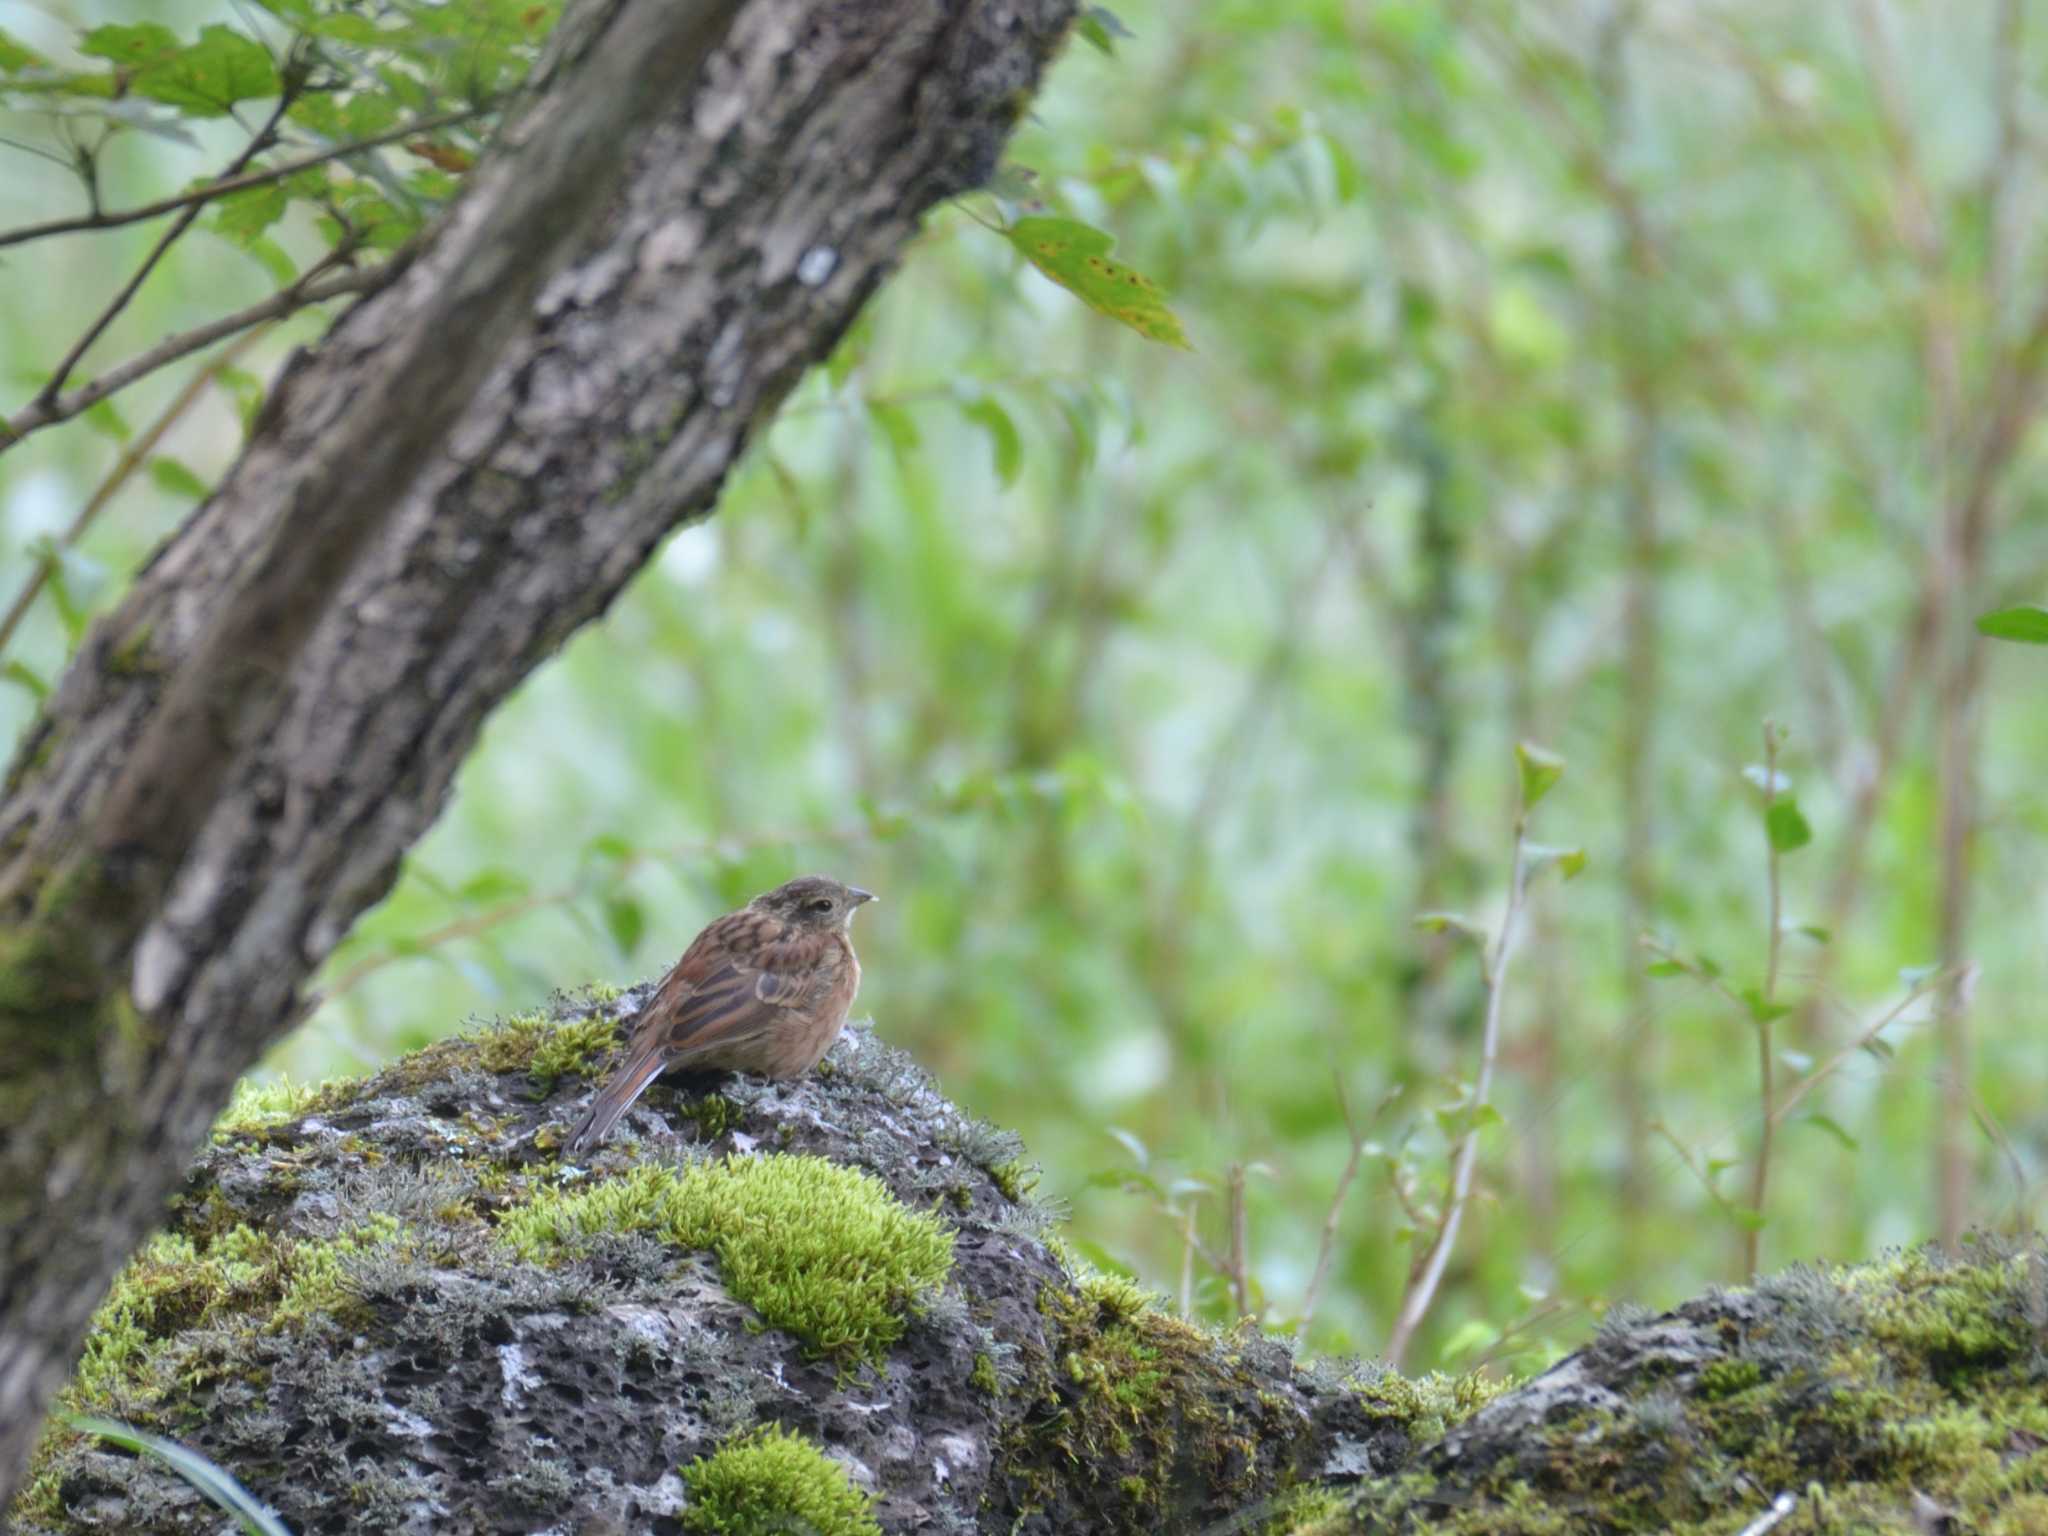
15, 56
255, 1517
1761, 1009
55, 563
1665, 968
626, 922
1812, 931
1100, 27
2026, 623
209, 77
1539, 856
1823, 1123
1456, 1120
608, 845
175, 478
244, 215
899, 430
1452, 922
132, 47
345, 28
1785, 826
27, 677
488, 887
985, 412
1540, 772
274, 259
104, 418
1746, 1218
1076, 256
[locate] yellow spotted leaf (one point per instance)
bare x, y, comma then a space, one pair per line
1076, 256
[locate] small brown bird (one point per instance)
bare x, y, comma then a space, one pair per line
760, 990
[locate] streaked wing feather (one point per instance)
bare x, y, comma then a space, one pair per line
731, 1004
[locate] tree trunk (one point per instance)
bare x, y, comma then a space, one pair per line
686, 211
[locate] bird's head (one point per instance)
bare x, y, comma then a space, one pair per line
813, 901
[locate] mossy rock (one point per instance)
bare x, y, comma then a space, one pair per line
389, 1305
1908, 1396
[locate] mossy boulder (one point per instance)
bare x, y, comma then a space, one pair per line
1908, 1396
390, 1305
831, 1307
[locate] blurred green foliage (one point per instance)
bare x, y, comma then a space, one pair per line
1614, 377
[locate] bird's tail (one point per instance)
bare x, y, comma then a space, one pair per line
616, 1097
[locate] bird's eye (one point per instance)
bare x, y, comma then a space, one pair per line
820, 904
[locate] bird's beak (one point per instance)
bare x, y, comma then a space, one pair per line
860, 896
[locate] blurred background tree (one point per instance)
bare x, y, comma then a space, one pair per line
1614, 376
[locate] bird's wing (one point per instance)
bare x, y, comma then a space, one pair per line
732, 983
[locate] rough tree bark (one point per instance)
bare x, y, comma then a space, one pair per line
471, 466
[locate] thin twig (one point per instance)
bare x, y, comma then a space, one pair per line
1760, 1176
1813, 1079
131, 459
1331, 1217
1494, 965
308, 291
93, 332
226, 185
1240, 1244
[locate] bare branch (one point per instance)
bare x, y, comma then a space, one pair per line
1330, 1218
1494, 963
309, 290
132, 458
1240, 1245
93, 332
227, 184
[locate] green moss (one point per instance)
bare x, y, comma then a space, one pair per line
1869, 1388
1308, 1512
770, 1481
257, 1106
1426, 1406
1137, 1411
713, 1114
547, 1049
1118, 1298
984, 1376
1962, 1317
821, 1250
132, 658
242, 1277
1725, 1378
1015, 1178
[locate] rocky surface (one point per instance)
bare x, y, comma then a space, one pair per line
832, 1307
335, 1316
